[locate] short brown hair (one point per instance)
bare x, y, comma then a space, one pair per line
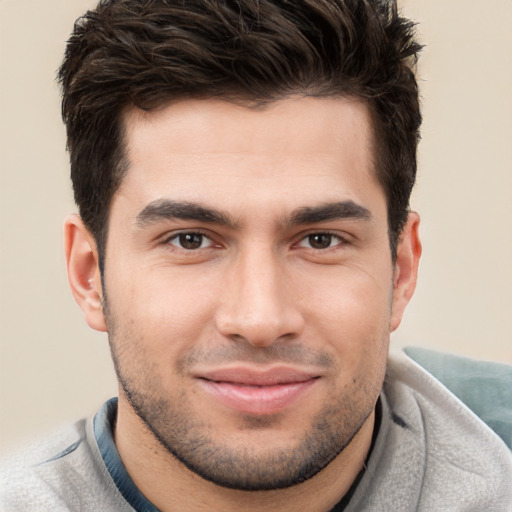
145, 53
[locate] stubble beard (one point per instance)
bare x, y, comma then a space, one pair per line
181, 433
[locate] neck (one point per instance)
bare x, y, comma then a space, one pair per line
170, 486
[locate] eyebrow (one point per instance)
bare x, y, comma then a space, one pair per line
166, 209
330, 211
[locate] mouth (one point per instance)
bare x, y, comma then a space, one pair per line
248, 391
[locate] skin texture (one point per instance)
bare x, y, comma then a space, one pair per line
223, 256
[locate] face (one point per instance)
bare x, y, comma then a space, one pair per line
249, 284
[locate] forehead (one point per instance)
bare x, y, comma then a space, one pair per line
292, 150
215, 124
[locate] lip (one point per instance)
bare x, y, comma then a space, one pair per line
250, 391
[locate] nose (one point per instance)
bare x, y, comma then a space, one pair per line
260, 305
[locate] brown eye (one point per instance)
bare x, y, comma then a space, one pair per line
189, 241
320, 240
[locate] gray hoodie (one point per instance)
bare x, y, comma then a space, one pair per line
431, 454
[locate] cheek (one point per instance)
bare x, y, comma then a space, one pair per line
352, 303
351, 315
164, 310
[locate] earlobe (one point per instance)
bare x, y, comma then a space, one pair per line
83, 271
406, 268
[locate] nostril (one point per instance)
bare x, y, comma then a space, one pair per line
260, 331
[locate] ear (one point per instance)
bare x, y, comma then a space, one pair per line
83, 271
406, 268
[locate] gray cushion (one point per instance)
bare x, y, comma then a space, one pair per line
485, 387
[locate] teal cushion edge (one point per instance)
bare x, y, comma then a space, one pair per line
485, 387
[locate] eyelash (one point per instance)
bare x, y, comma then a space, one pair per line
304, 238
341, 240
176, 236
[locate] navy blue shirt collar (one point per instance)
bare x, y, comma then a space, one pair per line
104, 423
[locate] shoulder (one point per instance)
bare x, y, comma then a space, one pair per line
26, 482
61, 473
484, 386
465, 461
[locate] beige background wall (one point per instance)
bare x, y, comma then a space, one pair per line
54, 369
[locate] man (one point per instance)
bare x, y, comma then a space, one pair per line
243, 173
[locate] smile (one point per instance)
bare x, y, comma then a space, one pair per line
257, 393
